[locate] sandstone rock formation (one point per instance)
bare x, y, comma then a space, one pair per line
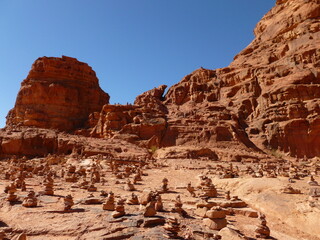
162, 121
273, 84
266, 99
144, 122
37, 142
58, 93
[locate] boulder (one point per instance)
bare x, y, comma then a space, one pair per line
230, 234
213, 214
215, 224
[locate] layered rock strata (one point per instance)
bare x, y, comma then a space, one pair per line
274, 83
37, 142
269, 95
267, 99
58, 93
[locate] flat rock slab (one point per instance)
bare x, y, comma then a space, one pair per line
91, 201
48, 199
181, 187
199, 231
111, 219
124, 234
151, 234
248, 212
190, 201
232, 204
230, 234
215, 224
75, 210
153, 221
201, 212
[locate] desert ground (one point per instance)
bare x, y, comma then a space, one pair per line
229, 153
288, 216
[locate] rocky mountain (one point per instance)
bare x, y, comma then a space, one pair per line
273, 84
266, 100
58, 93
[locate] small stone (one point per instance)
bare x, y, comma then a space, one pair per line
215, 224
150, 209
212, 214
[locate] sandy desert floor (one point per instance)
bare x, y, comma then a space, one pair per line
289, 216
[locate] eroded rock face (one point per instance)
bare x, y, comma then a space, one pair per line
267, 98
274, 83
153, 100
58, 93
272, 87
37, 142
162, 121
199, 86
198, 117
131, 123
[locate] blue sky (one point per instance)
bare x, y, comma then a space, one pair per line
133, 45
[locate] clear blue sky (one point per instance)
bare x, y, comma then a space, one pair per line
133, 45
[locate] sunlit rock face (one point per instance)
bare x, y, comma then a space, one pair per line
267, 98
58, 93
274, 83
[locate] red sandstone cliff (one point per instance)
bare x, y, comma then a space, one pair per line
269, 95
267, 98
58, 93
274, 84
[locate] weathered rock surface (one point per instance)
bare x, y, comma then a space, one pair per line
161, 121
144, 123
37, 142
186, 152
266, 99
59, 93
273, 84
131, 123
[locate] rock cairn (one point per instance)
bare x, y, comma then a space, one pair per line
119, 209
150, 209
68, 202
129, 186
133, 200
215, 218
262, 231
159, 204
178, 207
12, 197
173, 227
109, 205
48, 186
30, 200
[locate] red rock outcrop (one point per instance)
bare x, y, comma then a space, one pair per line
196, 116
58, 93
271, 89
38, 142
187, 115
274, 84
143, 123
267, 98
153, 101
